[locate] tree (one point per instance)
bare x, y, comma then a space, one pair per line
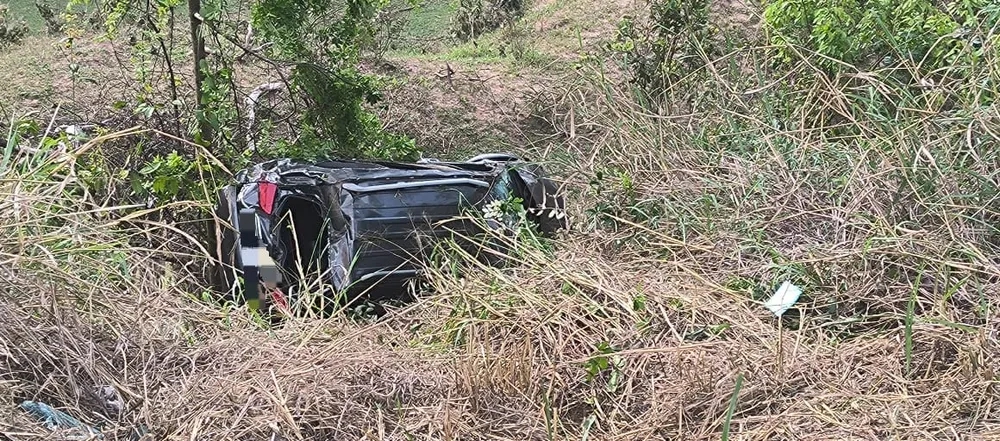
198, 50
318, 41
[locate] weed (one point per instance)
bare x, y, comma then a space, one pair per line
469, 52
732, 408
908, 329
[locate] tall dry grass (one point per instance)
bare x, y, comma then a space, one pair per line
877, 197
643, 322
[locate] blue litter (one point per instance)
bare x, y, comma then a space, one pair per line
56, 419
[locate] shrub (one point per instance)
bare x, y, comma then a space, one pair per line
476, 17
336, 119
778, 163
54, 24
922, 55
880, 32
12, 31
657, 50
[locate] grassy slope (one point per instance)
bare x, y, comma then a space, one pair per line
499, 95
699, 213
427, 22
26, 10
39, 74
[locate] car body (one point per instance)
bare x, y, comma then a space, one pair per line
362, 226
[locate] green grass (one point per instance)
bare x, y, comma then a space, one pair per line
732, 408
511, 46
431, 19
28, 73
426, 30
545, 37
474, 53
26, 10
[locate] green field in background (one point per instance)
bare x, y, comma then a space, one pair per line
25, 10
428, 20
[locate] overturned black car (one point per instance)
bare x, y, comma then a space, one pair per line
360, 227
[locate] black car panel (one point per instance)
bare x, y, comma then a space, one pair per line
363, 226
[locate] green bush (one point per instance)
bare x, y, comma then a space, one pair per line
876, 33
476, 17
872, 132
54, 23
336, 119
12, 31
931, 56
657, 50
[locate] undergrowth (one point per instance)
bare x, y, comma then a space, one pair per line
693, 196
12, 29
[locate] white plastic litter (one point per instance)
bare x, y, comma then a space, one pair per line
74, 130
786, 296
112, 399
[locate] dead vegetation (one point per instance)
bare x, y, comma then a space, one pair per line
644, 322
631, 330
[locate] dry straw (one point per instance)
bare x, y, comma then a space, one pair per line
643, 323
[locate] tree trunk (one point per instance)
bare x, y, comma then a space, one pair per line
198, 44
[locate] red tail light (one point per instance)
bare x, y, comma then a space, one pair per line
279, 298
265, 195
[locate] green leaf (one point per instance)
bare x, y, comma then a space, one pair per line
639, 303
137, 186
587, 424
150, 168
732, 408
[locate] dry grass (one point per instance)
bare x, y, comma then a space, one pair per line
889, 225
496, 354
635, 325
